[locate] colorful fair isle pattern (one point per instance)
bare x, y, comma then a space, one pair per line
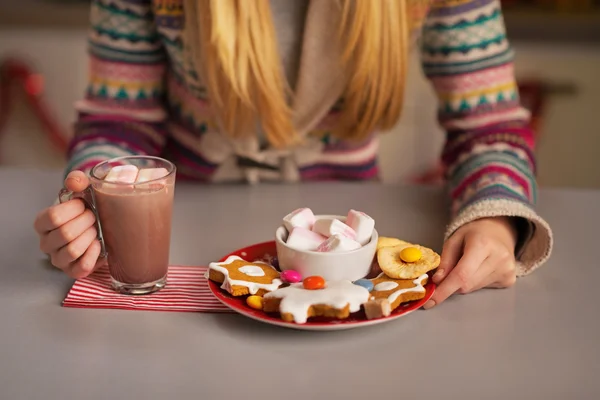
140, 100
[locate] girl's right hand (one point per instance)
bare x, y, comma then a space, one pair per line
68, 232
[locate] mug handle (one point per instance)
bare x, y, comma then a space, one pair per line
87, 195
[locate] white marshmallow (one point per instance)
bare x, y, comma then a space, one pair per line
122, 174
301, 218
362, 224
150, 174
338, 243
304, 239
330, 226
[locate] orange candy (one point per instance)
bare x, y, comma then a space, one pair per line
313, 283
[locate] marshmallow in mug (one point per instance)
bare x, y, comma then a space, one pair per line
362, 224
150, 174
304, 239
338, 243
331, 226
122, 174
300, 218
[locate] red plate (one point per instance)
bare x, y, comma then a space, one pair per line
356, 320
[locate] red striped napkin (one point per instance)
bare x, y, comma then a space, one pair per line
186, 290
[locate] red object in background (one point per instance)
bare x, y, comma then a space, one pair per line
533, 95
15, 73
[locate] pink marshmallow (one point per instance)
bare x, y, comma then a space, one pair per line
301, 218
304, 239
362, 224
338, 243
330, 226
122, 174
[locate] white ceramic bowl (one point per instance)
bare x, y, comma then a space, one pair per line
351, 265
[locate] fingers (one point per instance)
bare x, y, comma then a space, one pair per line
501, 272
58, 215
450, 255
473, 256
481, 277
87, 263
76, 181
74, 249
68, 232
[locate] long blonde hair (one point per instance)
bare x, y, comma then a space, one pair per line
233, 42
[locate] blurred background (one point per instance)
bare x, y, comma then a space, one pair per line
557, 44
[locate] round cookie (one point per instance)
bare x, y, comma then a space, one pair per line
393, 266
389, 242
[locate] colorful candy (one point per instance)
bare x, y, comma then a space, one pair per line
290, 276
313, 283
255, 302
275, 263
367, 284
410, 254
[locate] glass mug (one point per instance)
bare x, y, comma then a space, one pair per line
133, 222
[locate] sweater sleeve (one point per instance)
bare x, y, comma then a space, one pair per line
489, 148
122, 112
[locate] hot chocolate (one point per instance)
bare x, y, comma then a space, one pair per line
136, 225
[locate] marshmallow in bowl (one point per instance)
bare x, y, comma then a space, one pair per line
337, 243
300, 218
304, 239
362, 224
331, 226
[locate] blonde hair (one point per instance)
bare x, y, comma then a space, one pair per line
233, 43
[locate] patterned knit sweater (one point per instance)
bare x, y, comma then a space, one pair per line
144, 98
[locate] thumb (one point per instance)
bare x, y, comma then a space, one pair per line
450, 256
76, 181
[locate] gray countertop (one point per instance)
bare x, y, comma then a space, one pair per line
536, 340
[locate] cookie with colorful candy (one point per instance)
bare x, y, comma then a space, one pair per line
402, 260
316, 298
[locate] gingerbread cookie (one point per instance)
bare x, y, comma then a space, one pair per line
296, 304
389, 293
240, 277
406, 260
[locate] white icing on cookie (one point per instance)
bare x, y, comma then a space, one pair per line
383, 286
418, 288
251, 270
253, 287
296, 300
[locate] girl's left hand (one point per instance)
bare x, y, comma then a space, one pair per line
479, 254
